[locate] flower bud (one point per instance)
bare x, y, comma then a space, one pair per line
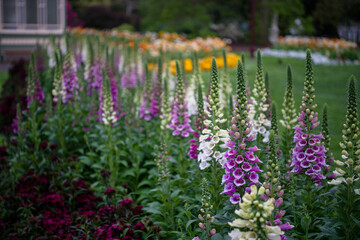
202, 226
267, 191
350, 161
349, 180
344, 152
339, 163
281, 193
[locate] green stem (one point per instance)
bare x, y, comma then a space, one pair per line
216, 193
60, 129
181, 160
170, 210
349, 229
111, 163
308, 208
34, 132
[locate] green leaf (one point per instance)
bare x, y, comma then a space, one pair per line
85, 160
355, 220
129, 172
175, 193
144, 182
217, 236
190, 222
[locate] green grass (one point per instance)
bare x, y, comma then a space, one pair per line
3, 77
331, 83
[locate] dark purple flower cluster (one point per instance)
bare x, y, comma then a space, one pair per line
194, 143
53, 208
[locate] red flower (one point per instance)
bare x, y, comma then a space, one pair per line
109, 192
139, 226
43, 144
3, 151
127, 202
137, 210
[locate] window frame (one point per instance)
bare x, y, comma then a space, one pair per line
40, 27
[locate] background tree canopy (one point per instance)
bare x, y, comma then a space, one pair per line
195, 17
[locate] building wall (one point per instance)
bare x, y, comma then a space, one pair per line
26, 23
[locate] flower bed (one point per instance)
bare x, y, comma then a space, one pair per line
338, 49
104, 132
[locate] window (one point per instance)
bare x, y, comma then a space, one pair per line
52, 12
32, 15
8, 12
21, 11
31, 12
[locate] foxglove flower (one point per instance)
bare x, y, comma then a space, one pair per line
200, 117
273, 189
113, 89
213, 139
326, 140
130, 78
51, 52
165, 111
308, 154
108, 114
69, 85
162, 163
56, 92
289, 119
34, 92
225, 80
259, 108
267, 89
190, 95
226, 97
95, 78
150, 107
199, 123
254, 213
180, 121
206, 211
156, 101
197, 74
347, 170
241, 166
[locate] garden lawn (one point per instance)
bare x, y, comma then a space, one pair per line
331, 83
